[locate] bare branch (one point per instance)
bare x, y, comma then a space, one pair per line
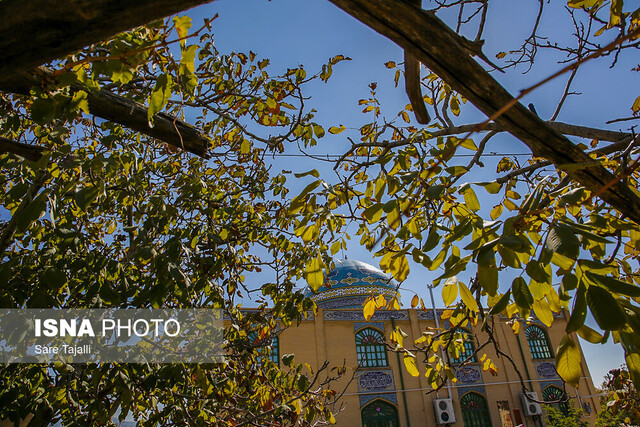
440, 49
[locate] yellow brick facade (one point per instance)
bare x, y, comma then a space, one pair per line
330, 335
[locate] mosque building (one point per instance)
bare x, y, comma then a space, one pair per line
383, 393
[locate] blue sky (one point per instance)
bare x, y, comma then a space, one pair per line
309, 32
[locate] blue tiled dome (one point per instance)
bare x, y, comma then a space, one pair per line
350, 283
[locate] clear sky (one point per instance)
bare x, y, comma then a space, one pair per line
309, 32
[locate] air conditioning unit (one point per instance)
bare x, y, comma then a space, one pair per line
444, 411
529, 403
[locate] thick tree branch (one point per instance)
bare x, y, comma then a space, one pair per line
440, 49
29, 152
37, 31
124, 111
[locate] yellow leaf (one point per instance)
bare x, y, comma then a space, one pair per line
399, 267
393, 304
516, 327
636, 105
369, 309
336, 130
496, 211
568, 361
450, 291
415, 301
467, 297
381, 301
332, 419
410, 364
469, 144
313, 273
183, 24
542, 310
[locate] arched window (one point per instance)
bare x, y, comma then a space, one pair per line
267, 348
557, 396
370, 348
379, 414
538, 343
475, 411
466, 351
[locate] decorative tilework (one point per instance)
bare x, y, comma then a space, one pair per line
469, 375
477, 388
350, 283
546, 370
360, 325
354, 302
428, 314
357, 315
376, 380
354, 290
390, 397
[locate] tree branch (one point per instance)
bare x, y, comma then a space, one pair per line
124, 111
29, 152
38, 31
440, 49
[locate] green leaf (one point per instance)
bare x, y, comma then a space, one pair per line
521, 293
589, 335
561, 239
159, 96
579, 312
605, 309
537, 272
502, 304
86, 196
43, 110
31, 212
303, 382
183, 24
287, 359
633, 363
614, 285
312, 172
568, 361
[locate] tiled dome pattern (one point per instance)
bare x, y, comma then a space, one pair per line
350, 283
